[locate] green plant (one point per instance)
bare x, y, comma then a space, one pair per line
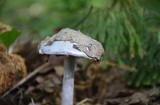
119, 27
128, 31
8, 37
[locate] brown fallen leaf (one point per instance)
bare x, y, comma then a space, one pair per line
138, 99
4, 27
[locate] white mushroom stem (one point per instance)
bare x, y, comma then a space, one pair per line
68, 81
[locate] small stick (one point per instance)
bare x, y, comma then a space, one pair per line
84, 18
83, 101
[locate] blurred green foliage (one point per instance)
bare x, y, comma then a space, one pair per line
42, 16
128, 29
119, 28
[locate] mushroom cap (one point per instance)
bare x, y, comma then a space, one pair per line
71, 42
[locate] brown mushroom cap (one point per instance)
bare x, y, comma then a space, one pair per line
92, 48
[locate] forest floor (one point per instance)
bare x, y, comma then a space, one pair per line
94, 85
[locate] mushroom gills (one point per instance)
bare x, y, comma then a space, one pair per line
61, 48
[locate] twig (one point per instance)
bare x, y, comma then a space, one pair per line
32, 100
123, 67
115, 65
45, 66
83, 101
84, 18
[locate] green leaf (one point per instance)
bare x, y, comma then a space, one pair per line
8, 37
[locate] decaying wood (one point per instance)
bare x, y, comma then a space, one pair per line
12, 69
42, 67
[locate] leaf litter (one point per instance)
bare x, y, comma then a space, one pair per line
94, 85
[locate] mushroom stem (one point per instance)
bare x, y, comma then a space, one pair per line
68, 81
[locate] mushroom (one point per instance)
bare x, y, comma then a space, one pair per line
73, 44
